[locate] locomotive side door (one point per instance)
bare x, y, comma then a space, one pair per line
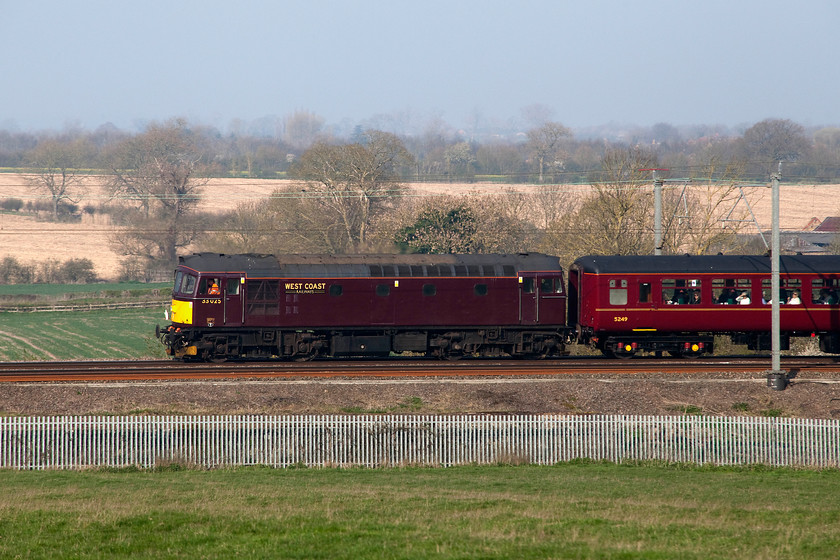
232, 294
529, 301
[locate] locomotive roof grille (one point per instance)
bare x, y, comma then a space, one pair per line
699, 264
342, 266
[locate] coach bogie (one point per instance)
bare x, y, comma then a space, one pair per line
830, 343
682, 345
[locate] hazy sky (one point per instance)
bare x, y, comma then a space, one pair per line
592, 62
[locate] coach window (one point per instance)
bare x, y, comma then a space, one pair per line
336, 290
480, 289
725, 291
644, 292
618, 292
429, 289
824, 291
681, 291
383, 290
787, 287
232, 286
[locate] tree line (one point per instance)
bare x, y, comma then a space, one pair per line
350, 194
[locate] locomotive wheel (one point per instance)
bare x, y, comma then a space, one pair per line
213, 358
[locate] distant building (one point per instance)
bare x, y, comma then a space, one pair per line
815, 239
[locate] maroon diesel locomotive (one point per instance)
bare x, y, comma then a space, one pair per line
306, 306
628, 304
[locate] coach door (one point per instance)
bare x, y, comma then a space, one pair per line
529, 301
233, 301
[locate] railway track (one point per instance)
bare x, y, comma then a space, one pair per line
168, 370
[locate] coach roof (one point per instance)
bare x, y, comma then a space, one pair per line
328, 266
699, 264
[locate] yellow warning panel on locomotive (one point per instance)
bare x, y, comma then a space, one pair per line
182, 312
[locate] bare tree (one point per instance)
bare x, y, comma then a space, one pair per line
353, 183
157, 176
707, 214
616, 219
55, 169
773, 140
544, 143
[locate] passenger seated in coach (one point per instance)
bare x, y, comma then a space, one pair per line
794, 299
695, 297
727, 296
680, 298
743, 299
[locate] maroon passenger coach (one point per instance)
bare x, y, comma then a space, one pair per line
628, 304
306, 306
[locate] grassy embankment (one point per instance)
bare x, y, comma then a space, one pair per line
574, 510
86, 335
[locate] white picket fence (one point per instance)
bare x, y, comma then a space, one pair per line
78, 442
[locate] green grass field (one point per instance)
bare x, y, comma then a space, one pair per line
88, 335
59, 290
566, 511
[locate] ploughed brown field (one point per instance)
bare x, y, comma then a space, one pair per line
30, 240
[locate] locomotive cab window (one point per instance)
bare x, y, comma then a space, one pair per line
233, 286
528, 285
550, 285
210, 287
187, 285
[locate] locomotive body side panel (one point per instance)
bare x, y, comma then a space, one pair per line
302, 305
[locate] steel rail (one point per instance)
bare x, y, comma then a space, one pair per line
169, 370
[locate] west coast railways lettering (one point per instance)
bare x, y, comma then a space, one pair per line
305, 287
